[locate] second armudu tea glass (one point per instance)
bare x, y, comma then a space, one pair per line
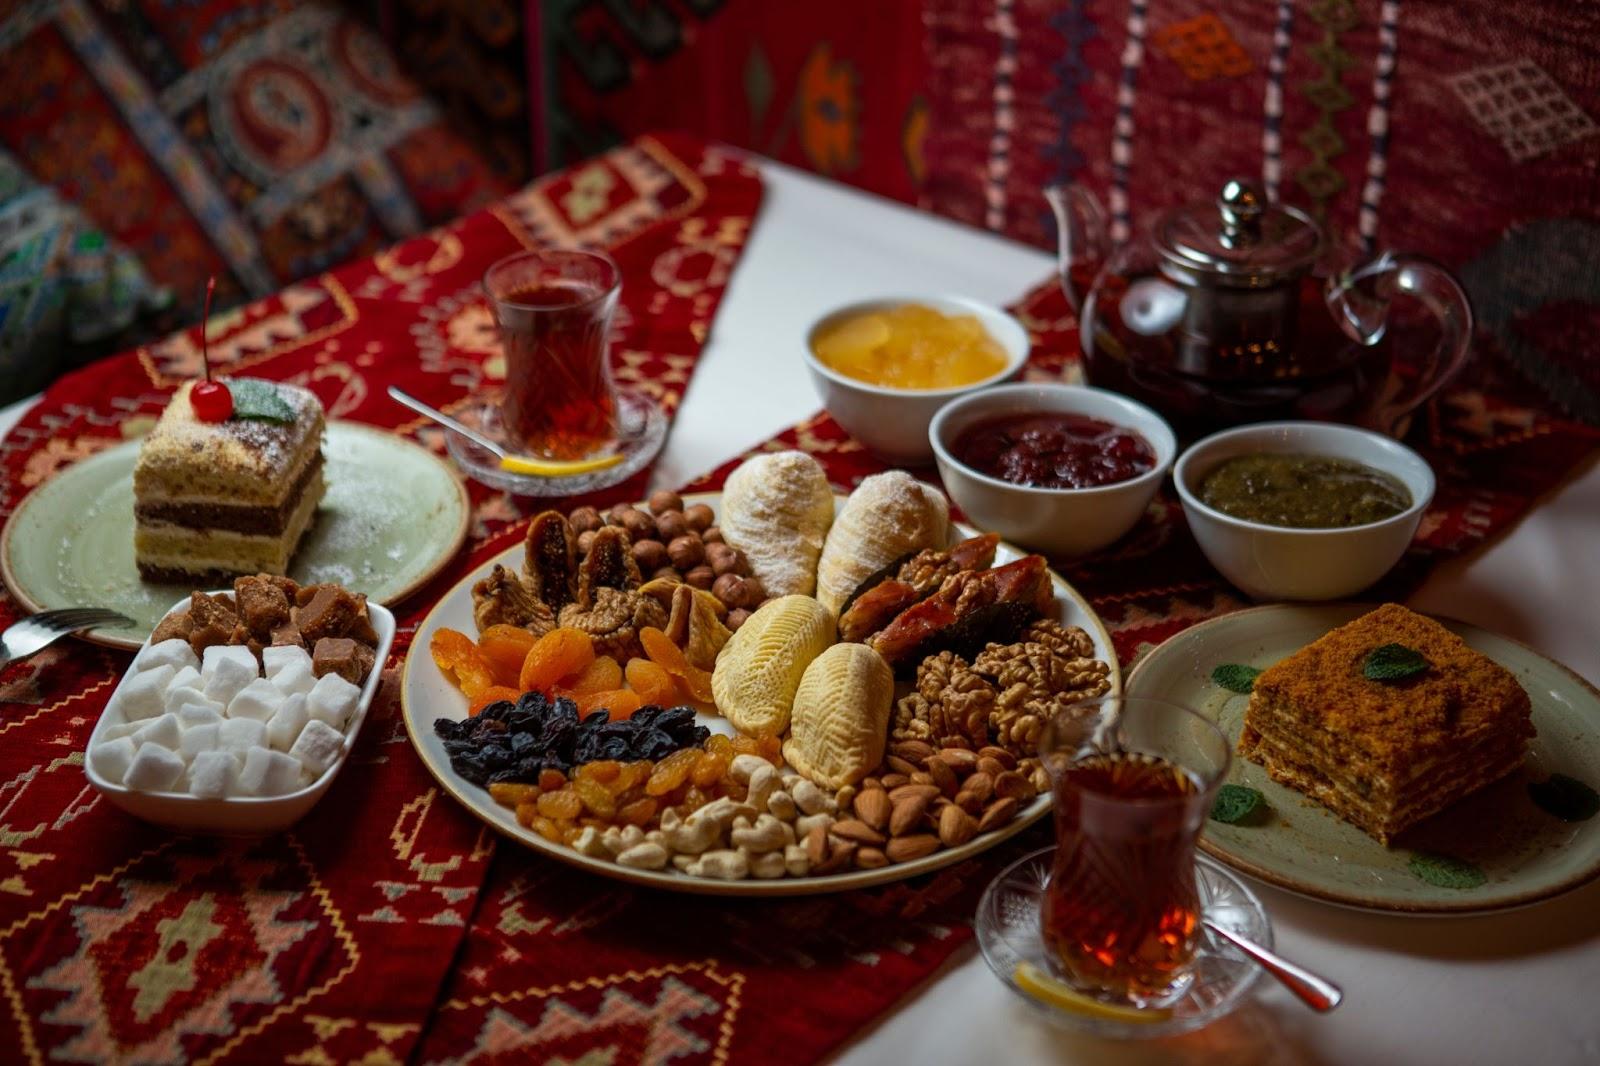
1133, 780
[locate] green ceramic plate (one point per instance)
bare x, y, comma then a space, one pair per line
1523, 853
393, 516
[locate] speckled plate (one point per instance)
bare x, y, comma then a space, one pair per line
426, 694
394, 514
1524, 854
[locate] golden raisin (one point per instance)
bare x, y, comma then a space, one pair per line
720, 742
562, 804
743, 745
639, 812
671, 771
548, 828
596, 798
709, 768
601, 770
512, 793
526, 813
550, 780
634, 774
695, 798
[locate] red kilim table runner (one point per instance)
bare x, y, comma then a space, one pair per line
328, 943
558, 965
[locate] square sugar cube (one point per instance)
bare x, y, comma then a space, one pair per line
154, 769
111, 758
175, 653
196, 740
144, 694
280, 657
285, 727
239, 735
163, 730
227, 669
213, 774
268, 773
260, 699
332, 700
318, 746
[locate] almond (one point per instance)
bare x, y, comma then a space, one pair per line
979, 784
956, 826
870, 782
960, 760
817, 845
901, 766
1000, 755
921, 777
854, 829
1012, 785
990, 766
943, 775
872, 807
838, 858
912, 751
970, 802
903, 791
871, 859
998, 814
908, 814
894, 781
960, 743
904, 849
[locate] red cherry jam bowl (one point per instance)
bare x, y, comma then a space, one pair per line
1061, 469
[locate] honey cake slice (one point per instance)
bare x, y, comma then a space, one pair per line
1384, 755
217, 499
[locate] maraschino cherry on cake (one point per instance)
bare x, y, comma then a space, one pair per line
229, 480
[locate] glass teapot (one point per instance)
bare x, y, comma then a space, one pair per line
1217, 316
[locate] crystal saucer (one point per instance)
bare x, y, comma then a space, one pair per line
1007, 927
642, 429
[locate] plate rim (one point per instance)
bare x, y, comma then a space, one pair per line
1288, 882
105, 640
750, 888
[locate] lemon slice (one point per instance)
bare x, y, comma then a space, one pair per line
1046, 989
518, 464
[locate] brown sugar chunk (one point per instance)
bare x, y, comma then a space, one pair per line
211, 611
361, 629
330, 612
288, 633
208, 635
175, 626
336, 655
262, 604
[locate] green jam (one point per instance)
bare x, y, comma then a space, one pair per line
1303, 491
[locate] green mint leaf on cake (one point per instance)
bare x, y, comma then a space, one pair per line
259, 401
1236, 678
1236, 804
1442, 871
1566, 798
1393, 662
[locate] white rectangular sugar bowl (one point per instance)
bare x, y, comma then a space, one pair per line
233, 815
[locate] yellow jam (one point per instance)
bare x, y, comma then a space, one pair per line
910, 347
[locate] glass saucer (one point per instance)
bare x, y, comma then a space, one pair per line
1008, 933
642, 431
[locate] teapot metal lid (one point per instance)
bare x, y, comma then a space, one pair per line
1241, 240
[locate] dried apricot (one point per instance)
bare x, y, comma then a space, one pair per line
473, 674
595, 796
652, 682
639, 812
620, 703
671, 772
550, 780
709, 768
601, 770
492, 694
558, 654
662, 651
602, 675
563, 804
512, 793
448, 646
505, 647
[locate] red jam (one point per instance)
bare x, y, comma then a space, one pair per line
1054, 451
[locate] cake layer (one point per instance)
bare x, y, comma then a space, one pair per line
267, 520
171, 551
240, 461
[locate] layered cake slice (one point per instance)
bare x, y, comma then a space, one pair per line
1386, 753
213, 499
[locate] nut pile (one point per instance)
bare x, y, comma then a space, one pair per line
673, 541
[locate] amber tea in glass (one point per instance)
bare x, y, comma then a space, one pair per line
1132, 780
554, 311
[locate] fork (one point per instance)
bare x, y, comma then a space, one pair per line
39, 631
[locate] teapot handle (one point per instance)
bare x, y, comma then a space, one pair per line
1360, 299
1081, 239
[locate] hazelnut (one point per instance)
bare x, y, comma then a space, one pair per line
638, 524
736, 618
666, 573
649, 554
585, 541
686, 552
754, 591
671, 525
699, 517
614, 516
731, 589
701, 577
584, 519
712, 535
664, 500
725, 560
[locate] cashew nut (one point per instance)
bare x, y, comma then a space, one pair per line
781, 804
766, 834
644, 856
691, 836
796, 861
588, 842
803, 826
743, 766
723, 811
682, 863
724, 865
768, 865
763, 783
807, 796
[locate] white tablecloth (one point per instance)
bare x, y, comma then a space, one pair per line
1521, 987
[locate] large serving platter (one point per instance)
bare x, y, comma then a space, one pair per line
393, 516
1525, 854
427, 694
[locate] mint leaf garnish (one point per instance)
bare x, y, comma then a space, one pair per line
1393, 662
1235, 677
1442, 871
259, 400
1236, 804
1565, 797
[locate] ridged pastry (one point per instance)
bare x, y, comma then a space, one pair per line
888, 516
760, 667
840, 720
777, 509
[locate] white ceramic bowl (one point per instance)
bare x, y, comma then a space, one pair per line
893, 423
237, 815
1060, 522
1274, 563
